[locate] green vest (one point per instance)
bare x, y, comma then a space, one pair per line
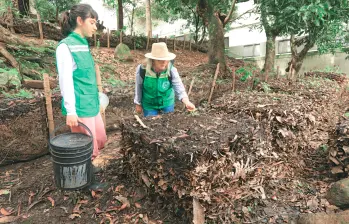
84, 77
157, 90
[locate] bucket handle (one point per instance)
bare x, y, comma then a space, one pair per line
79, 124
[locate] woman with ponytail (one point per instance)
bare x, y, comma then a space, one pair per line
77, 75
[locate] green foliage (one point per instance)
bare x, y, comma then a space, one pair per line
10, 77
21, 94
330, 69
49, 8
246, 72
116, 82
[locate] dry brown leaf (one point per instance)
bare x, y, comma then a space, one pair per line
73, 216
8, 219
84, 202
52, 201
93, 193
118, 188
4, 191
137, 205
77, 209
5, 212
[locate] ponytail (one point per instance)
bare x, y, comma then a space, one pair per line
68, 18
65, 23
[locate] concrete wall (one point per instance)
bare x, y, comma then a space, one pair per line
313, 61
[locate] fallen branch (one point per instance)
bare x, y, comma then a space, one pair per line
213, 84
8, 56
190, 88
140, 121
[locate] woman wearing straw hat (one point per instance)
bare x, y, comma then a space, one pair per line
158, 82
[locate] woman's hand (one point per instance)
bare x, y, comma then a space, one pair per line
139, 109
189, 105
72, 120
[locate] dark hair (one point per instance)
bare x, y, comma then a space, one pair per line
68, 20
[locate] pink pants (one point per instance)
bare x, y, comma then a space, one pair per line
96, 125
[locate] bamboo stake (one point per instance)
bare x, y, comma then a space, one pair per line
108, 38
190, 88
190, 45
148, 40
47, 91
100, 89
233, 85
213, 84
277, 72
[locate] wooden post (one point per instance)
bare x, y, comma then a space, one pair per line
148, 40
134, 42
184, 42
40, 27
100, 89
213, 84
190, 88
95, 39
277, 72
108, 38
190, 44
290, 72
266, 76
48, 100
198, 212
166, 40
120, 37
174, 43
233, 85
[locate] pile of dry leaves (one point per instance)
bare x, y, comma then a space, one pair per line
233, 156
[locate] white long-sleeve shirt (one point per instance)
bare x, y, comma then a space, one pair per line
66, 66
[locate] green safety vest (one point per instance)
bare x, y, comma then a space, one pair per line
157, 90
84, 77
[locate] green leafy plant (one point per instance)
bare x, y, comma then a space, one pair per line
21, 94
116, 82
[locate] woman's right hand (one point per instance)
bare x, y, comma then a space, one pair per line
139, 109
72, 120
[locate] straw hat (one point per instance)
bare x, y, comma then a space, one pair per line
159, 51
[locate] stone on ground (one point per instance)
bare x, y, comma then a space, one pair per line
338, 194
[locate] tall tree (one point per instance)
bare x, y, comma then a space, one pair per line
216, 21
148, 17
120, 15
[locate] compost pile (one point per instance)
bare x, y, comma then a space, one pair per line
217, 155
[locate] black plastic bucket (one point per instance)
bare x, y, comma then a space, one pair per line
71, 156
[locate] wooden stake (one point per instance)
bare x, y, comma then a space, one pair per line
190, 88
190, 45
40, 27
233, 85
174, 43
140, 121
198, 212
134, 43
108, 38
95, 39
120, 37
100, 89
184, 43
148, 40
277, 72
290, 72
213, 84
47, 91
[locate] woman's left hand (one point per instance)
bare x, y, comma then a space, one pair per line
189, 105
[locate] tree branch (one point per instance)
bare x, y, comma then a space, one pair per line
242, 14
230, 13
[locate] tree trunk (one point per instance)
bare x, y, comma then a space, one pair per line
270, 53
148, 18
298, 57
57, 15
215, 25
120, 15
216, 52
132, 19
